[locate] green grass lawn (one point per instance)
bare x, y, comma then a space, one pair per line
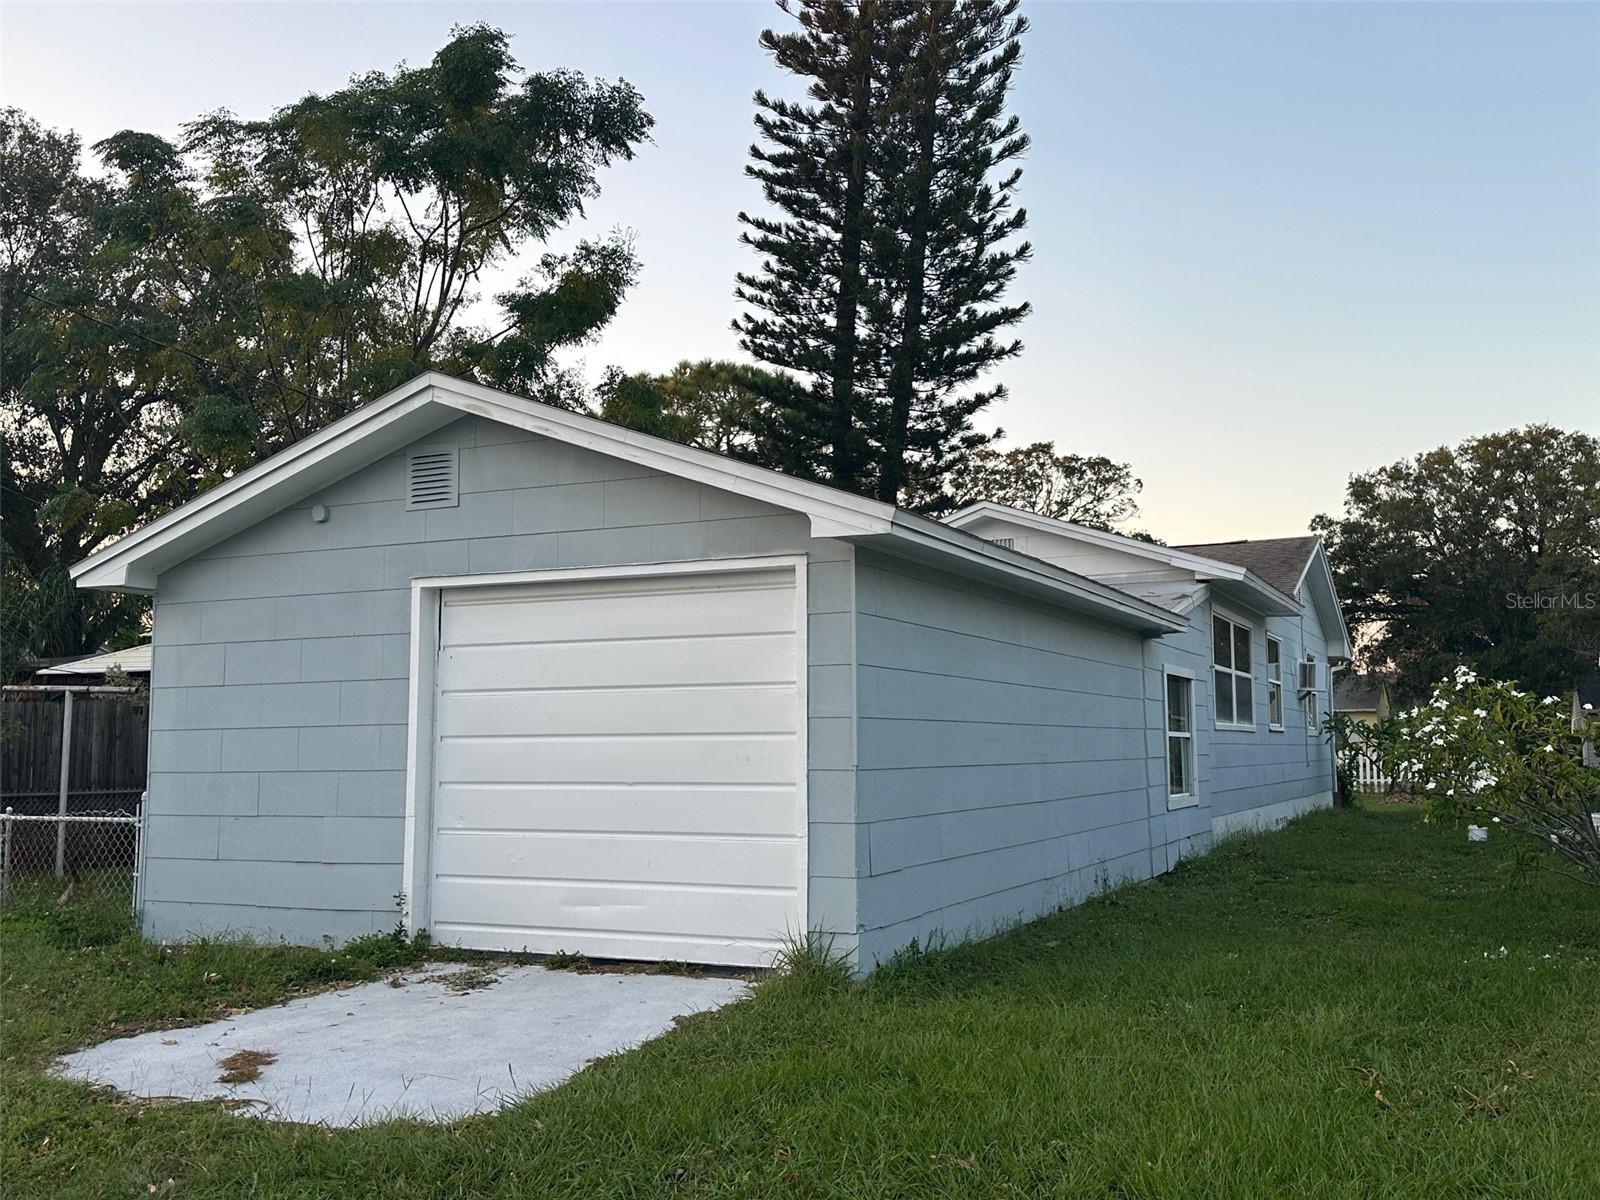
1325, 1011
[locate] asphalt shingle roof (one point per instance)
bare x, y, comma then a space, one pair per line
1280, 561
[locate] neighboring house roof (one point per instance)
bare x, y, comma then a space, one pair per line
135, 660
1286, 565
433, 400
1281, 562
1355, 691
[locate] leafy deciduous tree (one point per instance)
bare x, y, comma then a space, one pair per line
210, 302
726, 407
1088, 490
1485, 554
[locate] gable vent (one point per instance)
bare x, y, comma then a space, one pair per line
1005, 543
431, 478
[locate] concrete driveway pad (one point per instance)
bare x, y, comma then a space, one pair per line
434, 1044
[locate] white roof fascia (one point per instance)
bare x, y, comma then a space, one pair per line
1268, 598
132, 563
1095, 537
1323, 581
922, 538
414, 410
135, 660
432, 400
833, 513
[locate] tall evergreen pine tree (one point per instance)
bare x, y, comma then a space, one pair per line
947, 252
882, 281
815, 169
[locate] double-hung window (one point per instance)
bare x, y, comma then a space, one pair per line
1230, 656
1180, 740
1274, 684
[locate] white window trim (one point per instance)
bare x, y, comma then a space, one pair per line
1274, 683
1310, 705
1187, 799
426, 603
1249, 628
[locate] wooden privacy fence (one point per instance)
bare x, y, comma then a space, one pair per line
72, 781
106, 742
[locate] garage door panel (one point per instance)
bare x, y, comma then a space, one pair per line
731, 810
582, 907
617, 767
603, 617
731, 758
760, 658
615, 857
610, 943
632, 710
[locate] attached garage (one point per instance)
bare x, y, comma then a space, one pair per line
616, 764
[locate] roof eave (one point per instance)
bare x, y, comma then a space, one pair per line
432, 400
922, 539
412, 411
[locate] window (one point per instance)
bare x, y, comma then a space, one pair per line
1180, 737
1230, 652
1313, 722
1274, 684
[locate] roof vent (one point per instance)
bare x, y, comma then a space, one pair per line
431, 478
1005, 543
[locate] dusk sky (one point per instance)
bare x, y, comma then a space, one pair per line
1274, 244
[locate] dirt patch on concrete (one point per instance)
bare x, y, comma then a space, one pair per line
244, 1066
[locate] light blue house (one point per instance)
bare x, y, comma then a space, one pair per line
532, 681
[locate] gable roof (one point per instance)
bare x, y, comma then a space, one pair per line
1296, 568
1243, 583
1358, 691
1281, 562
432, 400
135, 660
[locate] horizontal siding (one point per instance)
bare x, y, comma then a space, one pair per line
1013, 759
279, 700
1002, 757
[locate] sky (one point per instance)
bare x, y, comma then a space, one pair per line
1274, 244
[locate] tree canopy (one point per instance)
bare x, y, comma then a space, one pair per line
207, 302
1484, 554
1088, 490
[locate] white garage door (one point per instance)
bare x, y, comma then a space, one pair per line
615, 767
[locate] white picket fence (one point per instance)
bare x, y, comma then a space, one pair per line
1370, 776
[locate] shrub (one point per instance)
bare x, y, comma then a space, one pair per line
1481, 750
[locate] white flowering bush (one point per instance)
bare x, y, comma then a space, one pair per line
1485, 752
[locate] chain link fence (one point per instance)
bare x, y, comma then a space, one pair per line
72, 777
85, 856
